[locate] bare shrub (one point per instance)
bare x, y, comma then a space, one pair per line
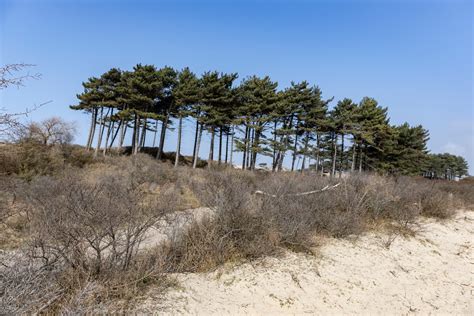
51, 131
462, 192
235, 231
212, 241
86, 224
32, 159
436, 203
91, 226
25, 287
88, 231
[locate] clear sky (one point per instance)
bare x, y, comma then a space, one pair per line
414, 56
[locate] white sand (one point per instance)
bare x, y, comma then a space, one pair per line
430, 273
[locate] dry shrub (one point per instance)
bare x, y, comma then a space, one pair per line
89, 232
436, 203
215, 240
234, 232
337, 212
30, 159
25, 287
86, 225
462, 192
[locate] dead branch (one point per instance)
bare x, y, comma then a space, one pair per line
327, 187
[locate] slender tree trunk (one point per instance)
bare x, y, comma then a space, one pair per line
220, 146
274, 145
211, 149
195, 138
295, 149
244, 158
164, 126
306, 141
360, 158
143, 135
101, 130
106, 142
198, 144
92, 128
287, 139
250, 148
231, 147
251, 163
123, 132
226, 145
117, 131
317, 153
154, 134
136, 134
178, 143
341, 162
354, 151
109, 130
334, 157
112, 133
255, 147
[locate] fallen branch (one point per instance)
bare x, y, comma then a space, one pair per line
328, 187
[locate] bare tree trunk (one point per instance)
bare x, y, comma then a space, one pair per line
231, 147
136, 134
274, 145
250, 148
341, 162
258, 133
101, 130
109, 130
251, 164
117, 131
354, 150
334, 157
178, 143
195, 138
90, 139
244, 158
306, 141
154, 134
198, 144
360, 158
143, 135
123, 132
220, 146
211, 149
287, 139
164, 126
295, 149
317, 153
226, 145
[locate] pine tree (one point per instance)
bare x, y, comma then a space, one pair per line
216, 95
187, 94
257, 100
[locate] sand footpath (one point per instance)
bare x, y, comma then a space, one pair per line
430, 273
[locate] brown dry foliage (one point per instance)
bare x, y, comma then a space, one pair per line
84, 222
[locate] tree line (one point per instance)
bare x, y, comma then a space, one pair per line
253, 117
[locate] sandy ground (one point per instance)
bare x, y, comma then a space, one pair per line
431, 273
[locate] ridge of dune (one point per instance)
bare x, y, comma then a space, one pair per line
432, 272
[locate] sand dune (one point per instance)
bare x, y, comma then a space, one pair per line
430, 273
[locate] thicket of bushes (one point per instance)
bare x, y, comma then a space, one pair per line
84, 220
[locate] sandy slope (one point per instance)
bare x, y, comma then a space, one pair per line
431, 273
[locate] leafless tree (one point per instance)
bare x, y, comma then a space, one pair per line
50, 131
8, 78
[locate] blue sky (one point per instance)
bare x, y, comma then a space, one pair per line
413, 56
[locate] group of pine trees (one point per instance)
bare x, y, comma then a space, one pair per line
253, 117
